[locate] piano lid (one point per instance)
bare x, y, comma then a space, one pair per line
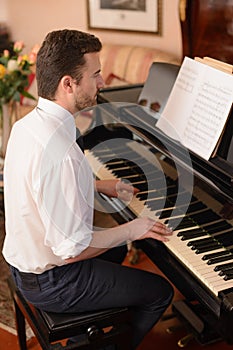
130, 105
218, 170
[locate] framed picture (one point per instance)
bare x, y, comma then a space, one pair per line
125, 15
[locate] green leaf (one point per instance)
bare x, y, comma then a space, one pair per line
28, 95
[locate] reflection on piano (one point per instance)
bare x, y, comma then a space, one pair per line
191, 195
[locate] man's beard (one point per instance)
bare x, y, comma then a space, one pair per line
84, 102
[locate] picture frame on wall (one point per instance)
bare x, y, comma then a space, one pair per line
125, 15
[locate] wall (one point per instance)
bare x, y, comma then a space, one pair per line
3, 11
31, 20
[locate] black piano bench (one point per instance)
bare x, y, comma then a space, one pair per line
97, 329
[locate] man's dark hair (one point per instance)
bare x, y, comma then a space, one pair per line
62, 53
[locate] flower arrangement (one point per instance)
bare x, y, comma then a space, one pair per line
15, 70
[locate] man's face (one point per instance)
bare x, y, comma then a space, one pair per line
91, 82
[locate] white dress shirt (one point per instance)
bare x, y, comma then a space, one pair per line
48, 191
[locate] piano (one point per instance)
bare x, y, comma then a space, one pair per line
186, 192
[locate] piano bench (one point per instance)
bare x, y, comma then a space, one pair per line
97, 329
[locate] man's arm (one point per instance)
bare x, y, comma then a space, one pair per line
135, 230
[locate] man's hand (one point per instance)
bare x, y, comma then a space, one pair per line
145, 227
117, 189
156, 230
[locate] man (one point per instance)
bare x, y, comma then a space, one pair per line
59, 262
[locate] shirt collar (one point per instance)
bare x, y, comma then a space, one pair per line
60, 113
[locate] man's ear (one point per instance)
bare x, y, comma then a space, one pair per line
67, 83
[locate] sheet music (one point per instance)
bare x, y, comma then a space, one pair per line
198, 107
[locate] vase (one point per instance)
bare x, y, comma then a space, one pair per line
9, 116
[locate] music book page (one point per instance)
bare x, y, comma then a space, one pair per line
198, 107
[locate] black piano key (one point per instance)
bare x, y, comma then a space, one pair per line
154, 185
144, 195
132, 178
169, 181
135, 169
164, 214
215, 255
193, 207
159, 204
217, 226
206, 216
172, 190
117, 162
156, 204
222, 232
166, 192
190, 234
171, 199
125, 173
148, 169
141, 186
228, 276
208, 248
223, 267
157, 183
219, 259
197, 244
181, 198
200, 242
156, 189
226, 238
180, 225
152, 195
223, 272
115, 166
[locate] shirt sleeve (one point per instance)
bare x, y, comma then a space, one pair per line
67, 197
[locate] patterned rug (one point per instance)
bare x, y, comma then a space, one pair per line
7, 316
7, 319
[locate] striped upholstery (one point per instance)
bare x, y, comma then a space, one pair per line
131, 63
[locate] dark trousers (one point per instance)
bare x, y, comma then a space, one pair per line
100, 283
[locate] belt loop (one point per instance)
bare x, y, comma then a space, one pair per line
51, 276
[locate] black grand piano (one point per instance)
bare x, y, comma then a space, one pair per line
192, 195
188, 193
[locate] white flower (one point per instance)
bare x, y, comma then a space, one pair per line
12, 65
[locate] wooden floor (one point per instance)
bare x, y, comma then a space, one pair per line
158, 338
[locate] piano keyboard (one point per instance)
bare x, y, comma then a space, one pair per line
202, 240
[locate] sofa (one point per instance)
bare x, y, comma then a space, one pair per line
128, 64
